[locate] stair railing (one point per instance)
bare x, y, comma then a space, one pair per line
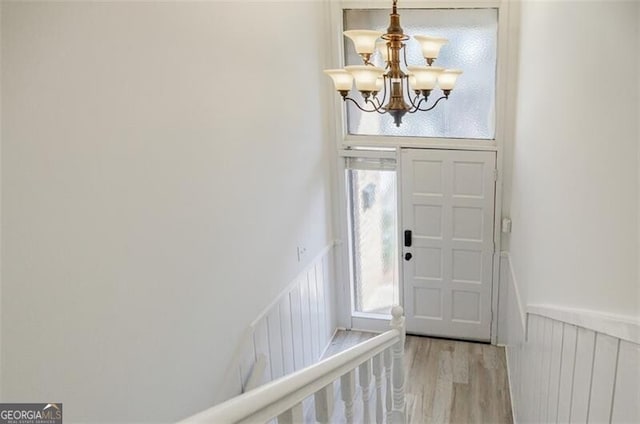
282, 399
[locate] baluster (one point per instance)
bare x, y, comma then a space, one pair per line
292, 416
389, 388
347, 389
377, 373
324, 404
399, 405
364, 374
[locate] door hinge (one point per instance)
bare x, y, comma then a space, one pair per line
495, 175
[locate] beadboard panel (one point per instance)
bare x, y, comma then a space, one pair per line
291, 333
566, 373
512, 329
626, 404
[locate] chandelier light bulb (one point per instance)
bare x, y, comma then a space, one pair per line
342, 80
430, 46
366, 76
447, 79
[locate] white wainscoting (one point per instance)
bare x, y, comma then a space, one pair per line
291, 333
568, 370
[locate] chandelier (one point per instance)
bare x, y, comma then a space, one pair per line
392, 90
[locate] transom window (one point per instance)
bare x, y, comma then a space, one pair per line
473, 40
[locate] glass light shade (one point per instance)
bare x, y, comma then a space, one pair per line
412, 82
381, 46
447, 79
342, 80
379, 84
426, 77
364, 40
430, 45
366, 76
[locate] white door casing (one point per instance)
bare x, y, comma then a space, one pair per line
448, 200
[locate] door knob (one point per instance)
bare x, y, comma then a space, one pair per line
408, 256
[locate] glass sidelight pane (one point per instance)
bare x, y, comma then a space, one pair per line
374, 247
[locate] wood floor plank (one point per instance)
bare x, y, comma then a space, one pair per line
461, 363
503, 408
476, 374
416, 365
443, 397
428, 375
446, 381
490, 357
460, 412
414, 409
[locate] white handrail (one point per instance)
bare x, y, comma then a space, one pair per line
279, 396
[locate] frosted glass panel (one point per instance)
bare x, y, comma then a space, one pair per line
473, 37
374, 239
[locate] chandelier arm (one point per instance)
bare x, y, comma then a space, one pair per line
415, 99
377, 107
404, 55
386, 91
360, 107
417, 108
376, 102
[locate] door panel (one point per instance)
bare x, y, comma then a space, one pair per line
448, 204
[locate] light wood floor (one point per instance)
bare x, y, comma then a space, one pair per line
446, 381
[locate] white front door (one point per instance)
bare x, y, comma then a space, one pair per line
447, 229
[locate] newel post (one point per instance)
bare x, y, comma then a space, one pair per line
398, 413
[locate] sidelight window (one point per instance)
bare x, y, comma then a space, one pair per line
371, 185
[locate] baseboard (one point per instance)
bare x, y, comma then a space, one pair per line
510, 382
326, 348
514, 288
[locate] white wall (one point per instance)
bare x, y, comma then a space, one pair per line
575, 189
158, 172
